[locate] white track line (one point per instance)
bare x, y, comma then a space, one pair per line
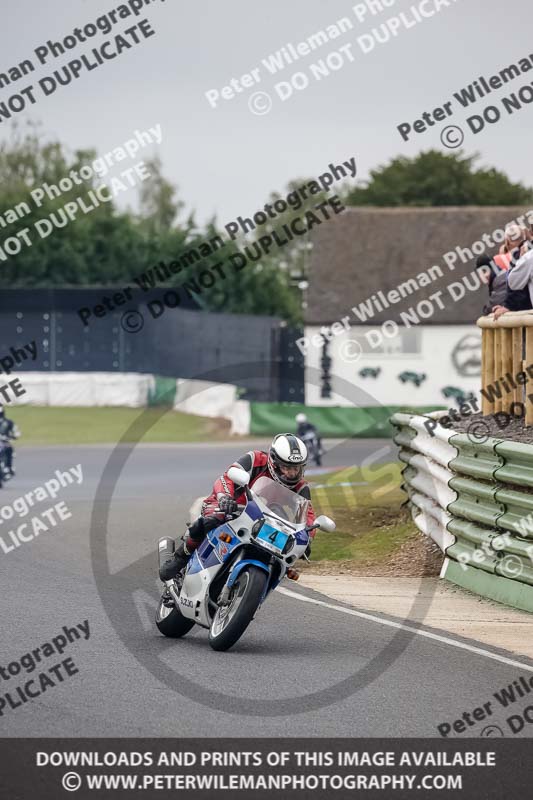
427, 634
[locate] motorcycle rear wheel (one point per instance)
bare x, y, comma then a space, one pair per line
171, 622
230, 622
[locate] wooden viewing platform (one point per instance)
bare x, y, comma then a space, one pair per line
507, 363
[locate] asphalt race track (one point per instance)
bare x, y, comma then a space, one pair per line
301, 669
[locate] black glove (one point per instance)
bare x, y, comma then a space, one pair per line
227, 504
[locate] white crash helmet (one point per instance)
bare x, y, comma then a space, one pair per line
301, 418
289, 451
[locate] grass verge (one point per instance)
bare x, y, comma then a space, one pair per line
375, 535
41, 426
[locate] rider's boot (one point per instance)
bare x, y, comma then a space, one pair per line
193, 539
176, 563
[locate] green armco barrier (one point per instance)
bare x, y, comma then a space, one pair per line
463, 551
518, 516
338, 422
491, 518
514, 546
475, 501
516, 568
487, 550
473, 534
503, 590
517, 463
477, 459
163, 393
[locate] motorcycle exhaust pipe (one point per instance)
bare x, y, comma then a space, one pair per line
166, 549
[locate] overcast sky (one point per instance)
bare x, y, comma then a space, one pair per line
227, 160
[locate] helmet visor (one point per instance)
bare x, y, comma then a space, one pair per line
291, 473
288, 474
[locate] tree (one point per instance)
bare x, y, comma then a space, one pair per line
107, 247
438, 179
159, 206
95, 246
260, 287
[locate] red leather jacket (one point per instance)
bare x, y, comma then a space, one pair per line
255, 462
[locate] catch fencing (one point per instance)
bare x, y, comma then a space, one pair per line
475, 500
183, 342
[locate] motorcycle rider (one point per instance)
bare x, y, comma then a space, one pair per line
306, 430
8, 431
285, 463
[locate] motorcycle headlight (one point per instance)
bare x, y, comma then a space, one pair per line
257, 527
288, 545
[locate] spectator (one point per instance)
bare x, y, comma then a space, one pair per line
499, 264
496, 279
517, 297
521, 276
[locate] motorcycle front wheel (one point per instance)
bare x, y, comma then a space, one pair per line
230, 622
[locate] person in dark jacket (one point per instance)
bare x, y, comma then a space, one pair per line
8, 432
502, 296
496, 279
310, 435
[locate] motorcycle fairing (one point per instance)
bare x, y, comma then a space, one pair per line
206, 562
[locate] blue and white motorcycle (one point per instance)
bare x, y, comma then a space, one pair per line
238, 564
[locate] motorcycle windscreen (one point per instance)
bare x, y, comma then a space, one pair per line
281, 500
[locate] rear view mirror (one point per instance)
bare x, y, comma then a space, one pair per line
238, 476
325, 523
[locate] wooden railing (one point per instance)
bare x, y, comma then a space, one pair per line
507, 352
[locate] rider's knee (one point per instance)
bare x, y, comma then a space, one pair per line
196, 531
191, 545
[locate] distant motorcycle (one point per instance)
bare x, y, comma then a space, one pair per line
314, 449
5, 473
238, 564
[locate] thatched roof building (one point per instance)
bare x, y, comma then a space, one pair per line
367, 250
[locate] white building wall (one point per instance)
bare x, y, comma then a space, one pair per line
440, 355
